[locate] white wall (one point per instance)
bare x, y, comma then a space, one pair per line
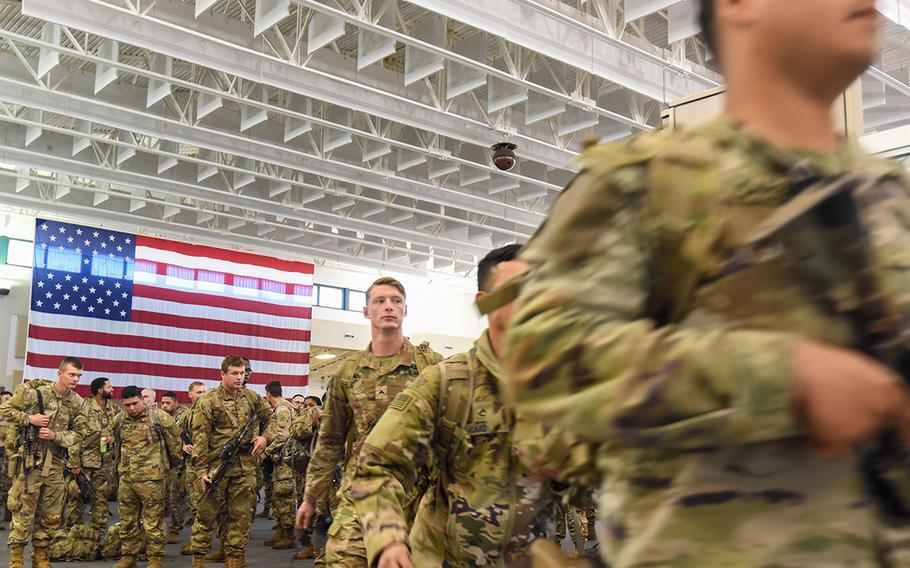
15, 306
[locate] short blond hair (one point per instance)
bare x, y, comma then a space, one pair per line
193, 386
387, 281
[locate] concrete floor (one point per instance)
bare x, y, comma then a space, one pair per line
257, 554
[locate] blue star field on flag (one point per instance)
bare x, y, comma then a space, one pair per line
83, 271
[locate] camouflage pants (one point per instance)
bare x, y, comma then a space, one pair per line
41, 505
193, 491
345, 547
232, 498
75, 507
141, 505
267, 483
5, 482
284, 496
177, 497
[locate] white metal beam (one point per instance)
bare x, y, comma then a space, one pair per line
554, 34
157, 28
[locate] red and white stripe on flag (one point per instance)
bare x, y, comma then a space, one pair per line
183, 306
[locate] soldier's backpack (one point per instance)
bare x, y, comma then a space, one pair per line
297, 454
111, 547
77, 544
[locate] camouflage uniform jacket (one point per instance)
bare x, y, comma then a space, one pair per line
666, 358
492, 508
305, 425
98, 423
283, 413
66, 422
358, 395
219, 416
143, 454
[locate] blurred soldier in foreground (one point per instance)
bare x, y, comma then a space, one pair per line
297, 402
148, 442
48, 421
706, 313
486, 508
185, 423
359, 394
95, 455
176, 478
231, 427
284, 499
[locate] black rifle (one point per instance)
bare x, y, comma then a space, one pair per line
31, 442
320, 526
229, 453
85, 486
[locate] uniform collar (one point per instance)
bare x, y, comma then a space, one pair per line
484, 351
762, 170
405, 357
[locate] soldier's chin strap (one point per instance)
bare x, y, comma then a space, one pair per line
502, 295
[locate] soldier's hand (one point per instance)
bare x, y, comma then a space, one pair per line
205, 481
845, 398
46, 434
305, 515
395, 555
39, 420
188, 449
259, 445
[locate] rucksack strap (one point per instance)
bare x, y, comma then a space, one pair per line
453, 410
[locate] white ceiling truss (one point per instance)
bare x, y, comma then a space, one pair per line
344, 130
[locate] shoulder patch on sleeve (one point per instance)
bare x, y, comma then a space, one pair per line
401, 402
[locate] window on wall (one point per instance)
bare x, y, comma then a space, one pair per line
339, 298
20, 253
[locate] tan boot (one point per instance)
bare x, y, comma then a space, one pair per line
279, 534
154, 562
305, 553
173, 538
286, 542
217, 556
187, 549
16, 556
127, 561
40, 558
236, 561
198, 562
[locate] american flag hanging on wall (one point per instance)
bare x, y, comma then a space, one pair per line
160, 314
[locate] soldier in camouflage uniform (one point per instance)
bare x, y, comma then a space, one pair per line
148, 442
487, 507
703, 306
176, 478
284, 500
6, 480
359, 394
95, 455
195, 390
38, 491
304, 431
220, 416
566, 518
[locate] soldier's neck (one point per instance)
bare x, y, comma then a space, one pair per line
61, 388
385, 344
102, 402
780, 112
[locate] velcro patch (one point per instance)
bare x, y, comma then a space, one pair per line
401, 402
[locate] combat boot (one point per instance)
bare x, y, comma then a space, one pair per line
235, 561
305, 553
198, 562
40, 558
154, 562
173, 538
279, 535
217, 556
187, 549
126, 561
285, 542
16, 556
